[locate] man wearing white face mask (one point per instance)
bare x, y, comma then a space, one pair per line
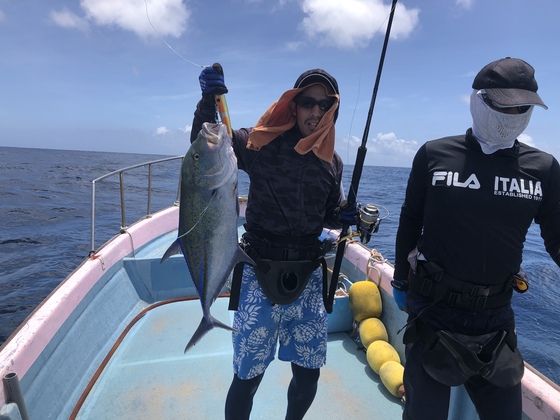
469, 202
502, 102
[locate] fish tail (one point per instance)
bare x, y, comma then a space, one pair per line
206, 324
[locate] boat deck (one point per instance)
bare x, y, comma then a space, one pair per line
149, 377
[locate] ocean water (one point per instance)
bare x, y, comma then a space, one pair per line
45, 209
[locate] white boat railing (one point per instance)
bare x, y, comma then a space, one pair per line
120, 173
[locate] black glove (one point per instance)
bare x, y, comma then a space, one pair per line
348, 214
212, 80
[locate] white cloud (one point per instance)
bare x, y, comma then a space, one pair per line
353, 141
465, 4
353, 23
389, 141
168, 17
67, 19
173, 133
388, 150
293, 46
175, 141
160, 131
382, 150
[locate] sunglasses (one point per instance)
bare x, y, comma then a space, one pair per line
504, 109
309, 103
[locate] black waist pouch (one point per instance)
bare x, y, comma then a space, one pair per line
282, 273
284, 281
452, 358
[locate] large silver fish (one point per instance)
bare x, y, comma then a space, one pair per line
208, 213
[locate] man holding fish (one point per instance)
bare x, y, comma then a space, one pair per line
295, 190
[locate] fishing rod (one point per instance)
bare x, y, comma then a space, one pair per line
356, 175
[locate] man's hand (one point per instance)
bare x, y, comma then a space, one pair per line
348, 214
400, 288
212, 80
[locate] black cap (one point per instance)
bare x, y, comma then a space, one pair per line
317, 76
509, 82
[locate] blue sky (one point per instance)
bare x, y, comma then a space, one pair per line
95, 74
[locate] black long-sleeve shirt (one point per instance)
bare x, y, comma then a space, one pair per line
289, 194
470, 212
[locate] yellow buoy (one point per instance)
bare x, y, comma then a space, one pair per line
391, 374
364, 300
372, 329
380, 352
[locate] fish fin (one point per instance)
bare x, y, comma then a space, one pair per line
240, 256
174, 248
206, 324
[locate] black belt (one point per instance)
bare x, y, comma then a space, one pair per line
434, 283
284, 248
285, 254
282, 240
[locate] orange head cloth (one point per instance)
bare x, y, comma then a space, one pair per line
278, 119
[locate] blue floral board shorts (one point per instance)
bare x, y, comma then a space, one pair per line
300, 328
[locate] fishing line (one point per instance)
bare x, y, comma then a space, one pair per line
359, 90
199, 218
221, 104
163, 39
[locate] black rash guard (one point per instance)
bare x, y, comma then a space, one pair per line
470, 212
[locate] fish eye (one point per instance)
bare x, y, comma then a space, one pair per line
196, 156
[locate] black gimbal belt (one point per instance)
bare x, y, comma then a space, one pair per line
282, 272
432, 282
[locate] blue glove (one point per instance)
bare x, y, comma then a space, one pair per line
212, 80
348, 214
399, 293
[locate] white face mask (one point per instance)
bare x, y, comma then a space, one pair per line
495, 130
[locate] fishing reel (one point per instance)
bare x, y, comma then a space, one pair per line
368, 221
